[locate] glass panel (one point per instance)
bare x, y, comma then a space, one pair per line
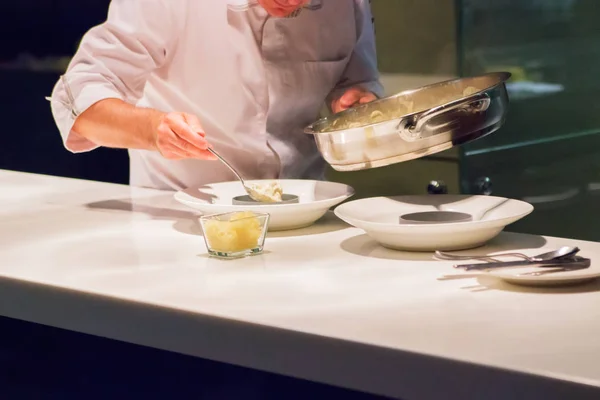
548, 151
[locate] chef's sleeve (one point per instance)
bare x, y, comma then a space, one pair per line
114, 60
362, 67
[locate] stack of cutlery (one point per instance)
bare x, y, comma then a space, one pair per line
561, 260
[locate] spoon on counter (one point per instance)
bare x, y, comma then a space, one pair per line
562, 252
565, 263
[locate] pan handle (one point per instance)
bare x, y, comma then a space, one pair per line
476, 103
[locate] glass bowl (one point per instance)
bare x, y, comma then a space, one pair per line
235, 234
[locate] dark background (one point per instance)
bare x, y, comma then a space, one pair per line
36, 38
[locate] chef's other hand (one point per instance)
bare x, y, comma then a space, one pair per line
352, 97
180, 135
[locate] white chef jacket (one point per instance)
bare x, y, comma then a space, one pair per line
254, 81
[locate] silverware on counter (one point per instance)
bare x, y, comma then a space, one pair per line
565, 251
566, 262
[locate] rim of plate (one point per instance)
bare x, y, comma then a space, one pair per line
582, 274
350, 192
340, 209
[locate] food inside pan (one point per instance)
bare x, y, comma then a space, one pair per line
392, 108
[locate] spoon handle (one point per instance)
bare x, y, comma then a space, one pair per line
448, 256
565, 262
227, 165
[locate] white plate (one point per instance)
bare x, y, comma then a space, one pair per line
516, 276
379, 217
315, 198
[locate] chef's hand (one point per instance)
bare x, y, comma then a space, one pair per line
180, 136
352, 97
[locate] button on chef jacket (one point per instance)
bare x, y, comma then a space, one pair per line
254, 81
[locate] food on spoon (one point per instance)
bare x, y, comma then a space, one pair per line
241, 231
267, 192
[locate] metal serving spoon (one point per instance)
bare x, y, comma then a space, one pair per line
564, 251
250, 190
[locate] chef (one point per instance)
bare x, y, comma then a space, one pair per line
168, 78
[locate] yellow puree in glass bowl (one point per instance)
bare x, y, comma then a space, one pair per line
241, 232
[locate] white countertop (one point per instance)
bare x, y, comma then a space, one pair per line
324, 303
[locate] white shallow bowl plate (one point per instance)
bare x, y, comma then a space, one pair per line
315, 199
379, 218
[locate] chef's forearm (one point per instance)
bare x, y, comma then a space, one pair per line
115, 123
